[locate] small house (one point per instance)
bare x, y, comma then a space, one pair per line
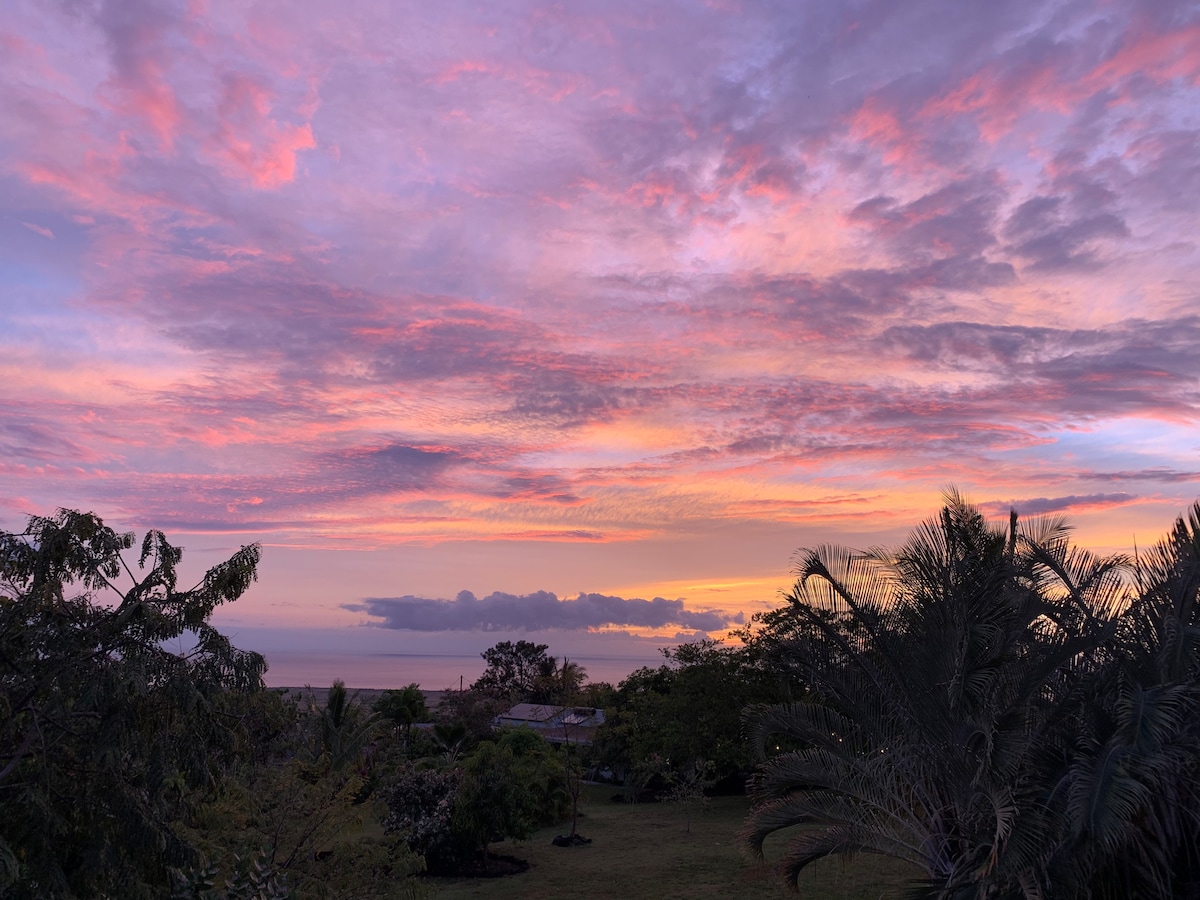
557, 724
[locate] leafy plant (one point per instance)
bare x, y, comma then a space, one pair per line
253, 878
401, 710
342, 728
420, 806
505, 788
686, 789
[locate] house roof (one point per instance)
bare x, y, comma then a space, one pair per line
532, 712
543, 714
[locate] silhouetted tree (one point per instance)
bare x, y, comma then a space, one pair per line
998, 707
402, 709
343, 728
105, 731
518, 672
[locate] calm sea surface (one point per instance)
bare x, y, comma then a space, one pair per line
431, 672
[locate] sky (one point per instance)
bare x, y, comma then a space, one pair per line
572, 322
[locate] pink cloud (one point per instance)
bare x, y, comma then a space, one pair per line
88, 182
999, 93
1158, 55
140, 86
154, 101
876, 124
252, 144
39, 229
555, 86
997, 97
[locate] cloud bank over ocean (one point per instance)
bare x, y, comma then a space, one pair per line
538, 611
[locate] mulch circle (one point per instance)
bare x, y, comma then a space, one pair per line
570, 840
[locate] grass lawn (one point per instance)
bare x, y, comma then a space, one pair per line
646, 850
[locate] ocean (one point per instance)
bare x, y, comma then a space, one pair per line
433, 672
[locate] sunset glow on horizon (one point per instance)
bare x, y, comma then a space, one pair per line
615, 301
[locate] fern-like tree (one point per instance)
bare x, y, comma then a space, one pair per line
1129, 798
948, 681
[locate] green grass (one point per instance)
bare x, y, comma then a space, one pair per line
646, 850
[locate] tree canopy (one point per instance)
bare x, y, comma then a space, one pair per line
518, 671
104, 729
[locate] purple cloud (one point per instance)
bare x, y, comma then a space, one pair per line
538, 611
1037, 506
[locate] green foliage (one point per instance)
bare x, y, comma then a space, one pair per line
474, 711
310, 817
401, 710
494, 800
420, 806
1130, 790
105, 733
125, 766
597, 695
994, 706
403, 707
505, 788
343, 729
519, 672
539, 767
450, 738
253, 878
662, 721
367, 867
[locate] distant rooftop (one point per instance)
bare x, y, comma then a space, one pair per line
554, 723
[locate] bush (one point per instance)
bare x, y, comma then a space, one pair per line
506, 788
421, 806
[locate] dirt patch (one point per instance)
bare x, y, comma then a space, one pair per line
495, 867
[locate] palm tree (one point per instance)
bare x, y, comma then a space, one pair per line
450, 737
941, 677
1132, 788
403, 709
570, 677
343, 730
